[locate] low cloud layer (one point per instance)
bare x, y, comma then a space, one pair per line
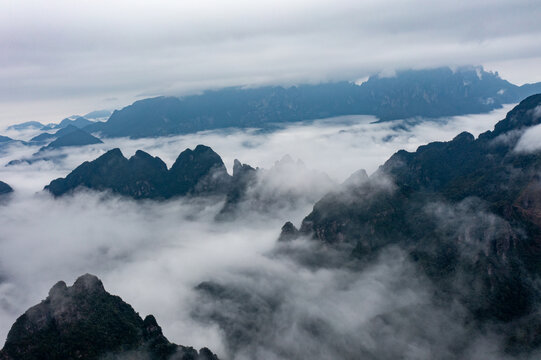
91, 55
154, 254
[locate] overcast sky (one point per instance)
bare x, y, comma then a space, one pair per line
63, 57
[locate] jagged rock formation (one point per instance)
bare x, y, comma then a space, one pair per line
424, 93
244, 176
199, 173
5, 188
468, 213
86, 322
195, 172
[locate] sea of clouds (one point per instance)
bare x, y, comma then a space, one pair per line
155, 254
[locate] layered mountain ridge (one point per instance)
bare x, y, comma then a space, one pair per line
428, 93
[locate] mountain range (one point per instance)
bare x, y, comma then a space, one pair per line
428, 93
198, 173
74, 120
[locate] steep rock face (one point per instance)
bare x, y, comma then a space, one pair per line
5, 188
195, 172
86, 322
467, 211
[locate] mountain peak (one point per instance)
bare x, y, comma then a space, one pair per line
5, 188
288, 232
202, 148
58, 289
75, 137
86, 322
88, 283
464, 137
240, 169
113, 153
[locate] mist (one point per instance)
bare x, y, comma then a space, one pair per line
167, 258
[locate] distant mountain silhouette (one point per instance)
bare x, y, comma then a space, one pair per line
47, 137
468, 212
413, 93
7, 141
77, 137
77, 121
69, 136
26, 125
5, 188
4, 139
84, 321
98, 114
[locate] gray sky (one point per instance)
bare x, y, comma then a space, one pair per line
63, 57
